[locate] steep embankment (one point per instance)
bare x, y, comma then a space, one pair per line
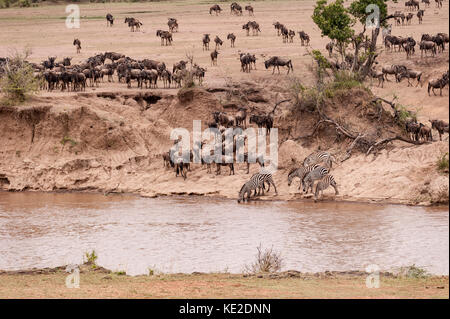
111, 142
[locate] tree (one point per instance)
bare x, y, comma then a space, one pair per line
335, 22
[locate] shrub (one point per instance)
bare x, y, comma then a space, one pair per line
17, 80
266, 261
344, 80
442, 163
91, 258
413, 272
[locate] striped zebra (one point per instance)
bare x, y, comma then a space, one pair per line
300, 173
256, 182
324, 183
316, 174
319, 157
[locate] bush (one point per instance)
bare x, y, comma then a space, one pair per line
266, 261
413, 272
17, 79
442, 163
91, 258
344, 80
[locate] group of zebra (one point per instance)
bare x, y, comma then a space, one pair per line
316, 168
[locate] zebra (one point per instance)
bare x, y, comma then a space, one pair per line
319, 157
300, 173
314, 175
256, 182
323, 184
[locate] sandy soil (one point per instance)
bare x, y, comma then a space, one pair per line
101, 283
112, 142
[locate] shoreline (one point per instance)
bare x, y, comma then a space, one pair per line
98, 282
282, 198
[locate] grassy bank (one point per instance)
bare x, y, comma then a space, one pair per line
101, 283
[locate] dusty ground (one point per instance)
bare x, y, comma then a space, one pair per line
101, 283
111, 142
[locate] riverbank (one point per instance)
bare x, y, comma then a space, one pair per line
101, 283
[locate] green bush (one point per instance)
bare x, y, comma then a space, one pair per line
17, 79
442, 163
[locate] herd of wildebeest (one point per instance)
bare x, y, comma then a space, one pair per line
64, 75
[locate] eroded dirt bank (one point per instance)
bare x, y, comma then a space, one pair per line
112, 142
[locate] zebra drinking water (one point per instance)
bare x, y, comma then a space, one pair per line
256, 182
323, 184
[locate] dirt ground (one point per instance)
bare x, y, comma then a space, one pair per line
110, 138
101, 283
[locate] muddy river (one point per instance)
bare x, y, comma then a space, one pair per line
134, 234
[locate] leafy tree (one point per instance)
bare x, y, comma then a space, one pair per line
358, 10
335, 22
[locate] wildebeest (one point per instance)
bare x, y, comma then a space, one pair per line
291, 35
426, 46
113, 56
109, 20
235, 9
246, 61
214, 55
222, 118
262, 121
427, 3
425, 133
241, 117
438, 3
232, 38
251, 25
215, 8
412, 5
206, 41
249, 8
134, 24
218, 42
276, 62
377, 75
420, 15
438, 83
393, 69
409, 18
173, 25
304, 37
440, 126
179, 66
412, 128
329, 47
410, 74
166, 37
278, 26
77, 44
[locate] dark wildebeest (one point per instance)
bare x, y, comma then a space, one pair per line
249, 8
214, 55
215, 8
236, 9
413, 128
440, 126
77, 44
304, 38
173, 25
438, 83
393, 69
109, 20
410, 74
232, 38
241, 117
291, 35
218, 42
166, 37
179, 66
206, 41
427, 3
134, 24
276, 62
278, 26
329, 47
377, 75
420, 15
427, 46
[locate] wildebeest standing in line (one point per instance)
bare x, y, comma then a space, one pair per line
427, 46
77, 44
440, 126
206, 41
215, 8
166, 37
427, 3
214, 55
232, 38
218, 42
304, 37
249, 8
109, 20
276, 62
291, 36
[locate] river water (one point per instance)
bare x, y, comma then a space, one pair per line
172, 235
